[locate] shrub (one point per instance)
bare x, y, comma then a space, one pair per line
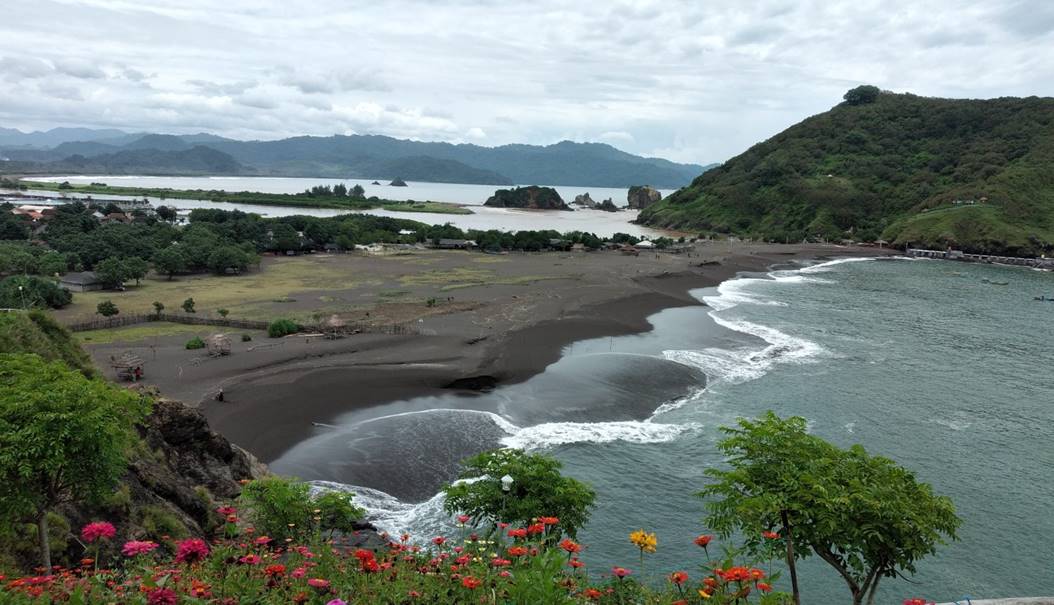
35, 293
537, 489
195, 343
106, 308
282, 327
188, 305
246, 338
283, 508
158, 522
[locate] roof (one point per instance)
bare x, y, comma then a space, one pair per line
645, 244
82, 278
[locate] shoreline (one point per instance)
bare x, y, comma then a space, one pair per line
269, 410
276, 395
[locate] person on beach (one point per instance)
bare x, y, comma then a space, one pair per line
219, 396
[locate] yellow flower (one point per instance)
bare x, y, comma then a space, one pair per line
644, 541
705, 594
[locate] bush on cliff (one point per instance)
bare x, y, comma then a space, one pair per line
537, 488
63, 438
284, 508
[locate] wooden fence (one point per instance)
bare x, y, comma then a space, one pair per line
84, 324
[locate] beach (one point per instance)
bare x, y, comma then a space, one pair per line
506, 318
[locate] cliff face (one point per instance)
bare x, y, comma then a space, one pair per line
640, 197
532, 197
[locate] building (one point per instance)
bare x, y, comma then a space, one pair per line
454, 244
84, 281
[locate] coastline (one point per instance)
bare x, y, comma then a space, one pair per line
275, 399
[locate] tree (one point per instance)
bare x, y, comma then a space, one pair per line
537, 489
863, 515
158, 308
227, 257
223, 313
106, 308
63, 439
284, 237
111, 272
357, 192
51, 263
862, 95
32, 292
188, 305
340, 190
135, 268
166, 213
170, 261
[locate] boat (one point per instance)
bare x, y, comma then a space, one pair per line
995, 283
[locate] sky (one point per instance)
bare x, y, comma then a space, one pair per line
693, 81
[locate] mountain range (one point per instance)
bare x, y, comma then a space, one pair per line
78, 150
963, 173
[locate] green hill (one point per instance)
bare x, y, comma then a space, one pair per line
972, 174
36, 332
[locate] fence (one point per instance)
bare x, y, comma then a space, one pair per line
117, 321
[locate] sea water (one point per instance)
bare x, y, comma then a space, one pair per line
925, 362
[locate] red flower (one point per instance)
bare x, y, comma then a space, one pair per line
470, 582
620, 572
191, 550
98, 529
548, 520
438, 541
318, 583
499, 562
537, 528
575, 563
703, 540
463, 518
162, 596
261, 540
226, 510
570, 545
518, 533
593, 594
274, 570
770, 535
517, 551
370, 566
679, 577
763, 587
364, 555
917, 602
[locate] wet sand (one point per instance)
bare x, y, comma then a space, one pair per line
275, 396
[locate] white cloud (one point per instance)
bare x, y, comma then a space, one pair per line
674, 78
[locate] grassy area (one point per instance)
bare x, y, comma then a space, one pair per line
447, 276
143, 332
245, 295
265, 199
522, 280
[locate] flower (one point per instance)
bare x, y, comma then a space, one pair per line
570, 545
274, 570
756, 574
703, 540
337, 602
536, 528
917, 602
438, 541
191, 550
770, 535
679, 577
463, 519
250, 560
162, 596
98, 529
518, 533
593, 594
134, 548
644, 541
318, 583
575, 563
516, 551
548, 520
763, 587
620, 572
499, 562
262, 540
470, 582
226, 511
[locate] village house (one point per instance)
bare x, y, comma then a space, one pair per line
84, 281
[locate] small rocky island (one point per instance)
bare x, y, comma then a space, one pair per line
398, 182
584, 200
642, 196
607, 206
531, 197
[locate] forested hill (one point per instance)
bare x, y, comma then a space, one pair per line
972, 174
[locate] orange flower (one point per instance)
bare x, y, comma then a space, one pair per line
703, 540
679, 577
570, 545
770, 535
548, 520
470, 583
763, 587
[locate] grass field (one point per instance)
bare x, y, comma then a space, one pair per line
155, 329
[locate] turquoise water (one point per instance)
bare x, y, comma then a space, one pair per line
920, 361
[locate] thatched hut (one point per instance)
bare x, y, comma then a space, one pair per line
128, 366
334, 327
218, 345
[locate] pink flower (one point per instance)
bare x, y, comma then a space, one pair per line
620, 572
438, 541
299, 572
134, 548
262, 540
191, 550
318, 583
463, 518
162, 596
250, 560
98, 529
337, 602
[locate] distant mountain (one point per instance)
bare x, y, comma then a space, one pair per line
195, 160
381, 157
970, 174
10, 137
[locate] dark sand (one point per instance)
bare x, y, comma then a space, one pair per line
501, 334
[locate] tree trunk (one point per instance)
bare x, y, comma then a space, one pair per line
874, 589
789, 538
45, 548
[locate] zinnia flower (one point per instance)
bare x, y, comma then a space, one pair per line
191, 550
593, 594
470, 583
548, 520
337, 602
643, 540
570, 545
318, 583
679, 577
438, 541
518, 533
516, 551
162, 596
770, 535
463, 519
98, 529
763, 587
535, 528
620, 572
703, 540
250, 560
917, 602
134, 548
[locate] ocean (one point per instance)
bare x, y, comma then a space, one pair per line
921, 361
603, 224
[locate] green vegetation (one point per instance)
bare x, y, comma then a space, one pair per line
37, 333
319, 199
154, 329
106, 308
284, 508
971, 174
536, 489
32, 292
195, 343
865, 516
63, 438
533, 196
282, 327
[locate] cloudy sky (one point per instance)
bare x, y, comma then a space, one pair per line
690, 81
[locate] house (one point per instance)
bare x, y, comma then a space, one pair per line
116, 217
579, 247
454, 244
332, 248
645, 245
559, 244
83, 281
